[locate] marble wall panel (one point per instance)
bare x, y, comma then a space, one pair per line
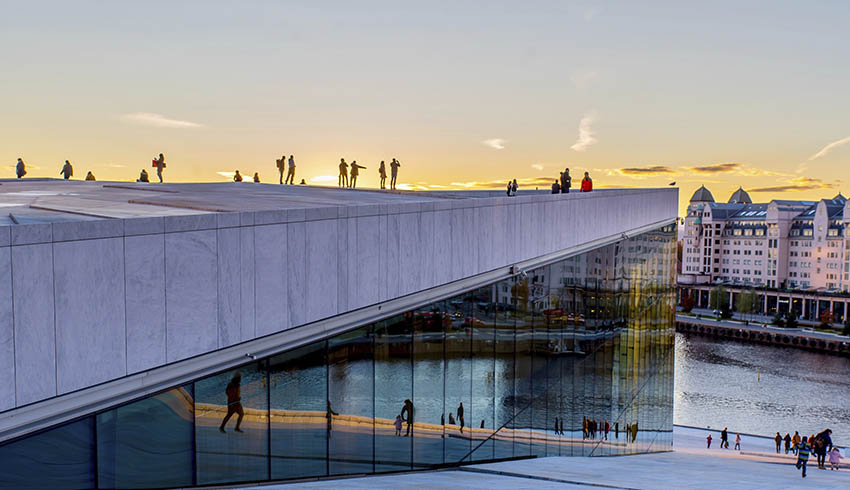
484, 236
349, 248
7, 332
35, 339
442, 246
323, 269
499, 240
191, 293
458, 244
393, 256
296, 266
229, 286
342, 302
91, 328
144, 283
272, 293
382, 264
410, 253
246, 238
370, 256
426, 250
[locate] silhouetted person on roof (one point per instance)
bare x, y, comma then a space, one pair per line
159, 163
281, 164
394, 165
556, 188
586, 183
566, 181
143, 176
234, 401
237, 177
257, 177
382, 171
20, 169
343, 173
355, 171
290, 174
67, 170
513, 187
90, 176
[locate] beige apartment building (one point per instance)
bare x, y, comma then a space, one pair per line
797, 246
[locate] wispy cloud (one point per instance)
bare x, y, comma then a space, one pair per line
499, 184
495, 143
158, 121
585, 132
797, 184
537, 166
583, 79
651, 170
828, 148
715, 168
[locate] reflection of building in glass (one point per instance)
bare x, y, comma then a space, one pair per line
541, 363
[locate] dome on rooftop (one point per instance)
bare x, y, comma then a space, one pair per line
702, 195
740, 197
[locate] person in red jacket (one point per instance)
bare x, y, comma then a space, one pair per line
586, 183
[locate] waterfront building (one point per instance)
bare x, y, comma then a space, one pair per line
179, 335
794, 246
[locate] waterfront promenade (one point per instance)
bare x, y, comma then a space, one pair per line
689, 465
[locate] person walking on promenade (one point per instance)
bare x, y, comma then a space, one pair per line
143, 176
256, 177
394, 165
794, 441
233, 390
342, 181
20, 168
382, 172
90, 176
738, 442
566, 181
834, 459
237, 177
280, 166
708, 442
290, 174
67, 170
355, 171
823, 444
460, 418
803, 450
408, 408
556, 188
724, 439
787, 440
586, 183
159, 163
778, 441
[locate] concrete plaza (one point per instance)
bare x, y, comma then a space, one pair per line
690, 465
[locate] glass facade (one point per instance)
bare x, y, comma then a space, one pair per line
574, 358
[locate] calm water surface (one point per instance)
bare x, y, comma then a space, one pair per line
717, 385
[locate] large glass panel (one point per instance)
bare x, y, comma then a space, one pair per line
299, 426
523, 377
395, 412
458, 443
482, 410
232, 426
505, 358
63, 457
351, 402
155, 432
428, 384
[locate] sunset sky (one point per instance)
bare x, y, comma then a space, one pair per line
463, 93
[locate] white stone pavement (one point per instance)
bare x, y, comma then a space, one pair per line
689, 466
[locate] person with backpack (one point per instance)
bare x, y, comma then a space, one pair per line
159, 163
20, 168
67, 170
280, 166
823, 444
566, 181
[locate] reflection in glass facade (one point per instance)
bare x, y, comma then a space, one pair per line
572, 358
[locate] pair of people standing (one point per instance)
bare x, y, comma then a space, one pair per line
346, 178
565, 183
512, 187
382, 172
290, 172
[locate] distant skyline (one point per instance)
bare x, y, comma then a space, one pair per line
465, 94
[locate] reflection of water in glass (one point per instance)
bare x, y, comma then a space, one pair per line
717, 385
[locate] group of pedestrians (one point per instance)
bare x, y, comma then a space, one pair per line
565, 183
724, 440
67, 170
348, 173
819, 444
